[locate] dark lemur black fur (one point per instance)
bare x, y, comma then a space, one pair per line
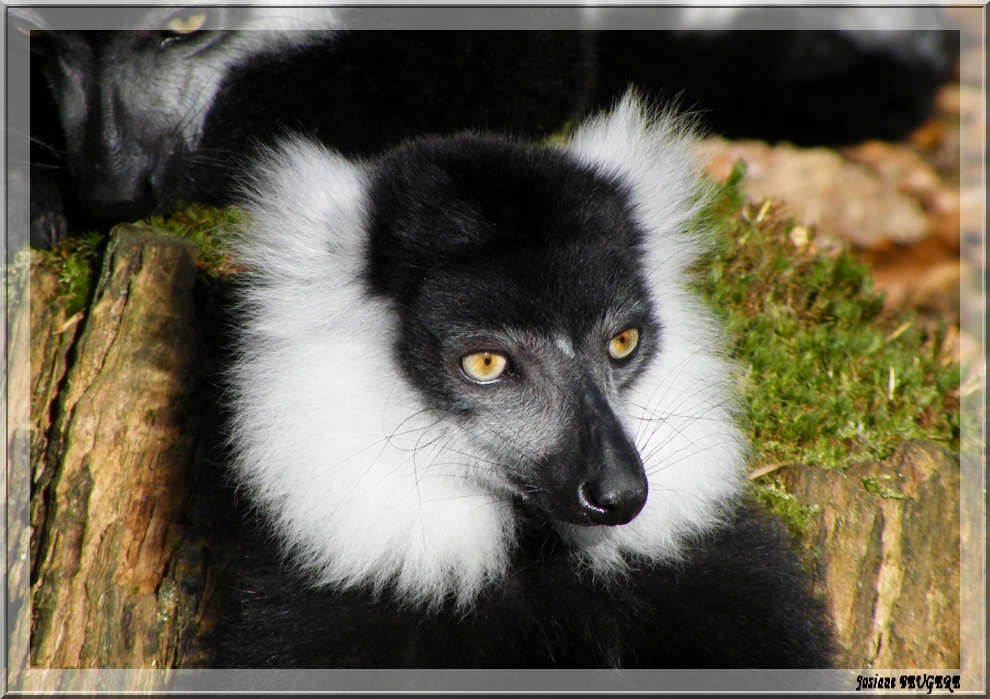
370, 90
810, 88
738, 600
478, 405
113, 138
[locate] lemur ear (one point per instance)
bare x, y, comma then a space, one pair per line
306, 206
649, 149
651, 153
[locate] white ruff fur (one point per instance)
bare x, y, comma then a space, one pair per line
368, 487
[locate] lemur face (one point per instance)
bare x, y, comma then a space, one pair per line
468, 334
524, 315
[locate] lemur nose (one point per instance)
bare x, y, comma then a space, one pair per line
613, 488
613, 499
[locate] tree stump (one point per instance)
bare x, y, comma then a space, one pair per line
886, 543
125, 564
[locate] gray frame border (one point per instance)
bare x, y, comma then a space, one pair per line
20, 679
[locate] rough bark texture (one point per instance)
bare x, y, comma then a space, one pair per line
122, 574
886, 540
53, 334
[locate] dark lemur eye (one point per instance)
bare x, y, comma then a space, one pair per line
624, 344
484, 367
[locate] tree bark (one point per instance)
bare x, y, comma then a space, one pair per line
886, 555
123, 574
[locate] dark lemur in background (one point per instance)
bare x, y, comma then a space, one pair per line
125, 124
483, 416
812, 88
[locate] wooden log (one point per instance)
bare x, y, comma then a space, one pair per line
123, 576
53, 335
886, 538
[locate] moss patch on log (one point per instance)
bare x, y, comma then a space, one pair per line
206, 226
76, 260
829, 379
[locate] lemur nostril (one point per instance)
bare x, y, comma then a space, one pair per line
588, 499
612, 501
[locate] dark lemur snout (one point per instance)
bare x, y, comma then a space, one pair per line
600, 478
122, 164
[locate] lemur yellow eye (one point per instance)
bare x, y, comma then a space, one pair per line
624, 344
187, 24
484, 367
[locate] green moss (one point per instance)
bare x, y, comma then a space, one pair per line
829, 379
74, 263
205, 226
877, 486
775, 498
76, 260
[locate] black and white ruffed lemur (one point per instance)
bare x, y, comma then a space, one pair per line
487, 423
